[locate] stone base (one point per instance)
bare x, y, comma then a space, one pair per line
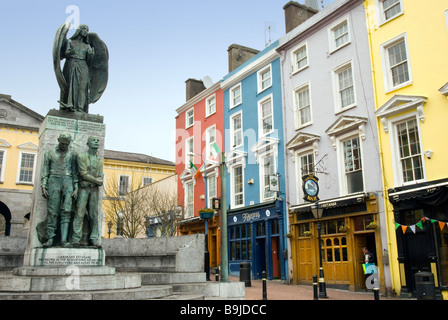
63, 271
53, 257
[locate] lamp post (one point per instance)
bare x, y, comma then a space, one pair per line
318, 211
109, 226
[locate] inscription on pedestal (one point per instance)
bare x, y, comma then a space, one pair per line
52, 257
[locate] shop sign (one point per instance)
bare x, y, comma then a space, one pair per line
310, 188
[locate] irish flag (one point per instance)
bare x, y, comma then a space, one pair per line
194, 170
215, 150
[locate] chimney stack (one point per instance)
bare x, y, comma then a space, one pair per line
194, 87
296, 14
238, 55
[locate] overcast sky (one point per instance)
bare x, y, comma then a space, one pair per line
154, 46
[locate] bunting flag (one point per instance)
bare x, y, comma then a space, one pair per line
193, 168
419, 224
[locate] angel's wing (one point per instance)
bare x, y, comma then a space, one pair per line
98, 68
58, 48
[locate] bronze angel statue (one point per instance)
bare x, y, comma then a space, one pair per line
84, 76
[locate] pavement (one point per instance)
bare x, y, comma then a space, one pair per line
278, 290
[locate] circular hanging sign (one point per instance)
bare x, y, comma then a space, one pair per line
310, 188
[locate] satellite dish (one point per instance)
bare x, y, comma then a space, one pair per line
207, 81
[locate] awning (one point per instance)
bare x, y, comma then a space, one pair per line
331, 203
433, 193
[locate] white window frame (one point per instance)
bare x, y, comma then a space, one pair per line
232, 96
210, 105
381, 13
233, 131
331, 34
297, 108
387, 68
189, 117
263, 184
3, 165
343, 178
260, 80
189, 152
396, 161
337, 90
232, 185
261, 102
189, 205
208, 143
211, 178
128, 187
294, 60
19, 167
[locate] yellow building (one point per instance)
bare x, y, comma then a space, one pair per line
409, 46
19, 140
125, 173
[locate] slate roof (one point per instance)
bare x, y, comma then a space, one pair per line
135, 157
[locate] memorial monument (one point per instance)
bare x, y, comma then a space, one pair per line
65, 225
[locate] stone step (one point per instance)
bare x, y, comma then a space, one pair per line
13, 283
142, 293
162, 262
182, 296
212, 289
172, 277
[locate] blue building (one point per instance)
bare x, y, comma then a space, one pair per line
254, 146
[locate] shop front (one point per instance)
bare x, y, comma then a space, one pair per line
256, 235
347, 225
421, 215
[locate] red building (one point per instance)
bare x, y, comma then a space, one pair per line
199, 125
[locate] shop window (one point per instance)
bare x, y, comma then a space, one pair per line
332, 226
240, 247
275, 229
261, 229
335, 249
304, 230
362, 222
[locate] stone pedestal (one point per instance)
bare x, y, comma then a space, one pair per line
80, 126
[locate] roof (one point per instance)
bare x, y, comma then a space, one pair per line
135, 157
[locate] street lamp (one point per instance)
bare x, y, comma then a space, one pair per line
109, 226
318, 211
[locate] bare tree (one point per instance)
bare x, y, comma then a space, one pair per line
152, 206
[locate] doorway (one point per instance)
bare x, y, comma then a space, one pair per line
276, 274
363, 240
260, 264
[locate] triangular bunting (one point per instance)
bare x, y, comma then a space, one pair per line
441, 225
433, 221
412, 228
404, 228
397, 225
419, 224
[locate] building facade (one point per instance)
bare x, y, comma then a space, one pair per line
330, 132
200, 127
410, 79
19, 141
254, 148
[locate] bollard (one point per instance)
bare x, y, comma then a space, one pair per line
376, 293
315, 288
265, 294
217, 274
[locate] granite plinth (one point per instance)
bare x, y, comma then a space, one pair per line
52, 257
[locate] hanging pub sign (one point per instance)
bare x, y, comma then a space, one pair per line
310, 187
273, 183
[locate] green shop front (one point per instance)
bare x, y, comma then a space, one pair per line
256, 235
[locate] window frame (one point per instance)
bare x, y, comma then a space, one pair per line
233, 131
210, 196
208, 143
387, 68
261, 102
381, 12
338, 108
3, 164
232, 103
188, 117
232, 185
128, 187
260, 79
263, 184
188, 204
19, 167
345, 173
188, 153
331, 34
396, 159
208, 104
295, 60
297, 109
